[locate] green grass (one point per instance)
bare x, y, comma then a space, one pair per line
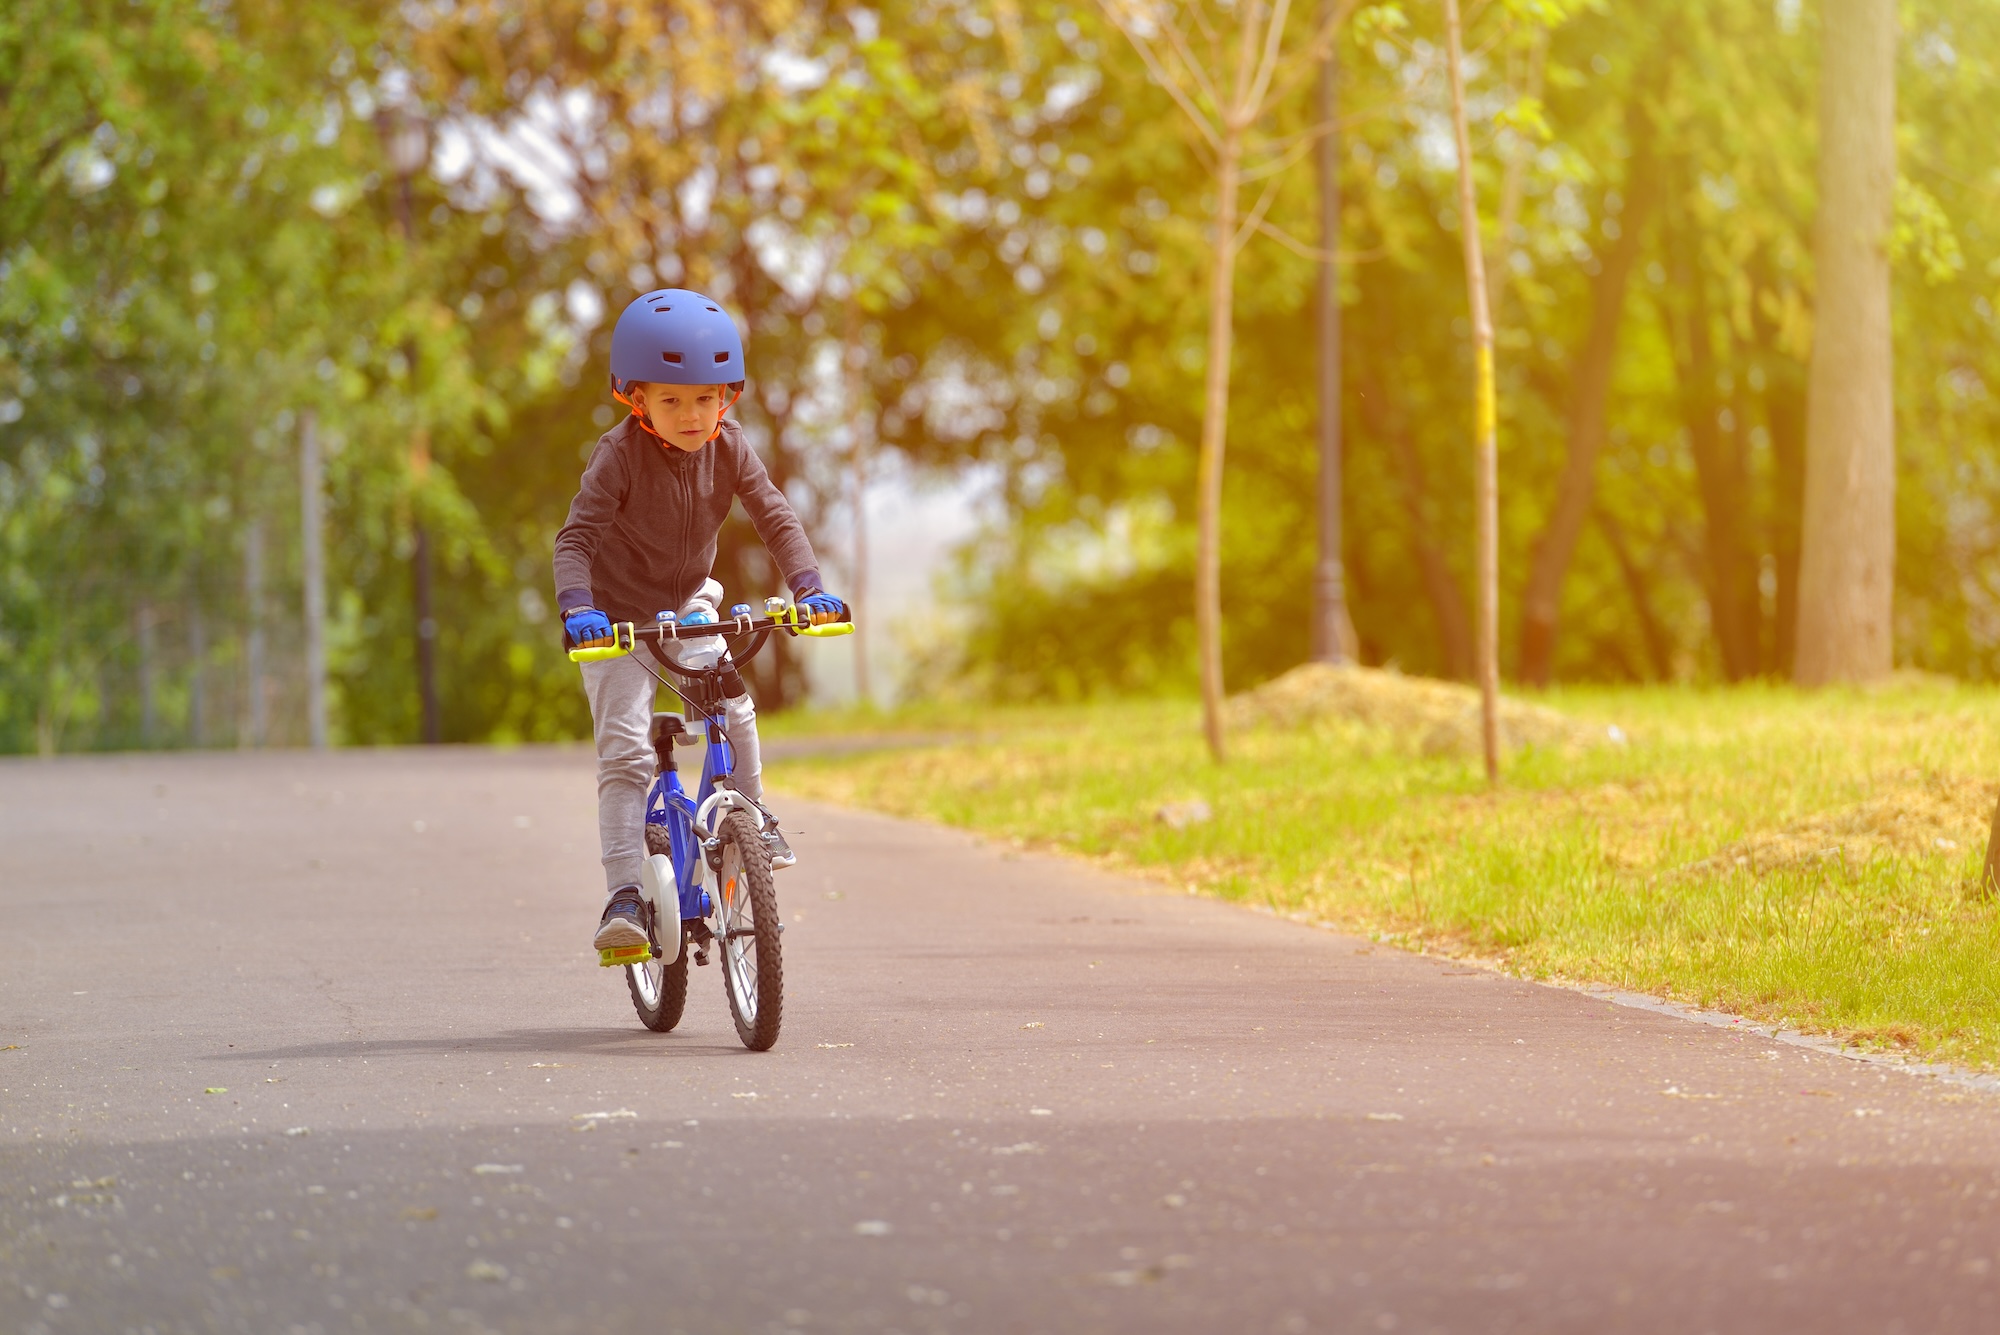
1810, 859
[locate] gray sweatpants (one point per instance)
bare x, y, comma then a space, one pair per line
621, 713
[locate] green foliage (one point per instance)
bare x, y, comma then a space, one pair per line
968, 233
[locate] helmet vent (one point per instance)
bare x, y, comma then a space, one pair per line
661, 310
721, 358
673, 357
713, 309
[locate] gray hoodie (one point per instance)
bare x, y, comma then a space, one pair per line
641, 532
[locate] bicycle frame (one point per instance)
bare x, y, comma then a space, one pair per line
669, 804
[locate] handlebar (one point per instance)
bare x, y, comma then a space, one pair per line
790, 619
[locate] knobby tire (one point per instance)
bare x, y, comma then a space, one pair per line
756, 1000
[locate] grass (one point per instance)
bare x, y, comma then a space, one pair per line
1805, 859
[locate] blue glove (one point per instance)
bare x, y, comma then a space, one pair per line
822, 607
698, 618
587, 627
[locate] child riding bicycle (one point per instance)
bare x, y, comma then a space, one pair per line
641, 539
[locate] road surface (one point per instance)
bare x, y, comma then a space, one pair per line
296, 1043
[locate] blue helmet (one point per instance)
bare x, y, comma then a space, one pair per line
676, 337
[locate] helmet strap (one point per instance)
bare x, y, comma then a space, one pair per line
647, 426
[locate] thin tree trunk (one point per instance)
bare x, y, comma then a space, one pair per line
1590, 392
1721, 472
1333, 629
312, 550
256, 701
1848, 547
1385, 421
149, 706
1989, 874
1785, 419
1659, 652
1214, 431
197, 629
1487, 480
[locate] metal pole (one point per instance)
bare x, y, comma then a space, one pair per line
420, 558
1332, 630
197, 628
311, 542
426, 637
149, 713
858, 593
253, 650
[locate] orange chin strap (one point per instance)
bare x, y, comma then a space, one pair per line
647, 426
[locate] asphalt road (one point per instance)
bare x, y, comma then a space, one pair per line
294, 1043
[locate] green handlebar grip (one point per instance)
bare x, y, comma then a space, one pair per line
833, 628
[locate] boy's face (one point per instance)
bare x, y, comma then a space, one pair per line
684, 415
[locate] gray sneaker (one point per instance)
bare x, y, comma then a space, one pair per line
623, 927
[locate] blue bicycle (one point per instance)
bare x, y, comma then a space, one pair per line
715, 832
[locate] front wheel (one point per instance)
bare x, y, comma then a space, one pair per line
753, 970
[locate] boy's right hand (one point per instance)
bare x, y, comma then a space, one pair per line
587, 628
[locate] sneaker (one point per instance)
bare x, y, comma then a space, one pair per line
623, 927
782, 855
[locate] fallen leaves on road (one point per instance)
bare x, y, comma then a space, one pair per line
420, 1213
603, 1116
11, 1047
298, 1131
1024, 1147
1676, 1092
874, 1228
487, 1270
1032, 1024
1041, 1112
1385, 1117
492, 1169
216, 1089
1867, 1112
744, 1094
833, 1045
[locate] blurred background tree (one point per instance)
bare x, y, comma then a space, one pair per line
967, 234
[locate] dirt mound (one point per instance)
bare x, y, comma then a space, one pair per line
1435, 717
1913, 815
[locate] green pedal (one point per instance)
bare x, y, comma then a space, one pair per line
620, 955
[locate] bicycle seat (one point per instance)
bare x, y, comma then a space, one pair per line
671, 725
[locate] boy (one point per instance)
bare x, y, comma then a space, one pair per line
641, 537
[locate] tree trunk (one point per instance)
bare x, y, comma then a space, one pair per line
1385, 421
1333, 630
312, 551
1989, 875
1659, 652
1848, 547
1590, 392
1214, 432
1721, 470
1485, 457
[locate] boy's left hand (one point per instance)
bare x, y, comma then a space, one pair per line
823, 607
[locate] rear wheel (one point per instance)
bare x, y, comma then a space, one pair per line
660, 987
753, 968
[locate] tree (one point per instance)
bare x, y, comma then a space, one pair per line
1848, 549
1485, 414
1225, 67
